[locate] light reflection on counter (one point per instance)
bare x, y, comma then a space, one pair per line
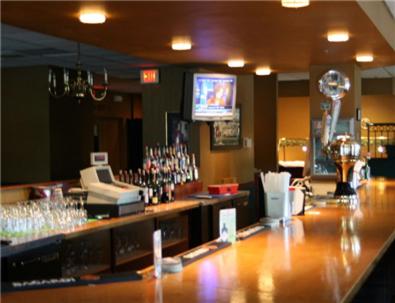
238, 296
266, 285
350, 251
158, 291
313, 213
209, 276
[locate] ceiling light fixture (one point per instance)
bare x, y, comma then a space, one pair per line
380, 149
338, 36
80, 85
364, 58
295, 3
181, 43
263, 71
236, 63
92, 17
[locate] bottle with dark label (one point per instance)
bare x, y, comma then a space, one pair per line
155, 192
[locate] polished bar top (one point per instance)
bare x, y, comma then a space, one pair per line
323, 256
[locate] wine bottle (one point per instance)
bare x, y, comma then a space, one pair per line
195, 169
130, 176
125, 176
165, 187
155, 199
121, 177
172, 190
150, 188
146, 195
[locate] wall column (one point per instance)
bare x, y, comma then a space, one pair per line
265, 122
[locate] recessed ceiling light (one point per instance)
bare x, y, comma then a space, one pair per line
92, 17
263, 71
381, 149
295, 3
236, 63
364, 58
337, 36
181, 43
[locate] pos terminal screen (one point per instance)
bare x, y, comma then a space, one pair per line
104, 175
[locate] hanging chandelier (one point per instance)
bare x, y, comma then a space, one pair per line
78, 87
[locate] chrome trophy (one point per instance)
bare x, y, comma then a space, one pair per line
343, 150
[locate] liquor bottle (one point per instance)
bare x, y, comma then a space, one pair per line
126, 176
188, 174
165, 187
121, 177
146, 195
195, 169
137, 178
130, 176
179, 176
150, 188
155, 199
183, 176
172, 190
142, 178
146, 163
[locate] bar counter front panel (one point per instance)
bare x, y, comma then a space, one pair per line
324, 256
120, 244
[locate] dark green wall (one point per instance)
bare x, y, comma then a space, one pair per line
71, 136
25, 150
47, 139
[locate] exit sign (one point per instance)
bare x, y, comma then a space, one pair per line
149, 76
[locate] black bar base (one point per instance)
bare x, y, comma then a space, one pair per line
344, 189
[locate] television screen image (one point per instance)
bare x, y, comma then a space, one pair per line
214, 97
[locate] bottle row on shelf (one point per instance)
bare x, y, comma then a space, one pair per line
164, 167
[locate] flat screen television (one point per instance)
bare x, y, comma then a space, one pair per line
213, 96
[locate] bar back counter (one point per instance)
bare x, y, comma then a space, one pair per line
324, 256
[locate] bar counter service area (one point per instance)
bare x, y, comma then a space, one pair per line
197, 151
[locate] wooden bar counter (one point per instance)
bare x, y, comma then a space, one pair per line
324, 256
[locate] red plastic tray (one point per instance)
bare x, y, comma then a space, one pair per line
221, 189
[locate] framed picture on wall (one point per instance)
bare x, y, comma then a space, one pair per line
226, 134
176, 129
323, 166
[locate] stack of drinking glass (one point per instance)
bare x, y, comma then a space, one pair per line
37, 217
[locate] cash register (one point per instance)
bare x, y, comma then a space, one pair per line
106, 195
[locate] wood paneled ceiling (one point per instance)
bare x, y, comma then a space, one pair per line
263, 33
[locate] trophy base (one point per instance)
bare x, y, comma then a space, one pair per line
345, 194
346, 200
344, 189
